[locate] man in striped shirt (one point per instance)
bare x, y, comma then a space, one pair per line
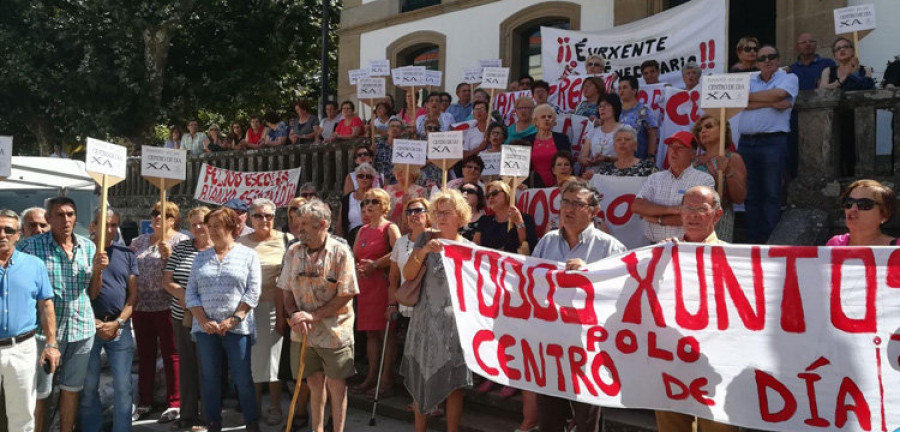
72, 269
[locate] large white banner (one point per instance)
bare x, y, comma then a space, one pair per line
775, 338
615, 207
694, 31
218, 185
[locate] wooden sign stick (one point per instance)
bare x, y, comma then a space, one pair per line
162, 200
723, 125
444, 168
372, 103
856, 43
104, 193
514, 183
406, 183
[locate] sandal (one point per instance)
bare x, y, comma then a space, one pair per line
140, 412
169, 415
274, 417
386, 391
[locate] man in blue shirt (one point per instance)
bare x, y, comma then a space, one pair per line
462, 109
113, 302
26, 294
576, 243
764, 142
808, 68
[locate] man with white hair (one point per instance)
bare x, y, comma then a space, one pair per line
33, 222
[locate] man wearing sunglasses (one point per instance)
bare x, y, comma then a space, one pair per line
33, 222
26, 292
765, 125
240, 207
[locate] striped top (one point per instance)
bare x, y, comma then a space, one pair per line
180, 263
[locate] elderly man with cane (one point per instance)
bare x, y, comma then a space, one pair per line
319, 281
26, 292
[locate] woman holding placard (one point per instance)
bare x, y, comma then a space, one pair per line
867, 206
597, 148
434, 366
544, 144
152, 323
734, 189
351, 216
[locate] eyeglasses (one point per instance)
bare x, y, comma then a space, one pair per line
363, 154
841, 47
595, 64
34, 225
433, 128
9, 230
264, 216
415, 211
293, 209
474, 167
492, 194
365, 176
564, 203
156, 213
468, 191
364, 203
767, 57
747, 49
308, 195
862, 204
445, 213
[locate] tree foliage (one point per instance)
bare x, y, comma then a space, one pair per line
116, 69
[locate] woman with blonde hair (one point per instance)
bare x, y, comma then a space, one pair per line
372, 251
747, 49
433, 365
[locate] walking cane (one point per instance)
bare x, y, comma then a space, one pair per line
387, 328
290, 420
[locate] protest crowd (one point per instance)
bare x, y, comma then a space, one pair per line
231, 302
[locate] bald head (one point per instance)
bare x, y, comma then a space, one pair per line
805, 45
701, 208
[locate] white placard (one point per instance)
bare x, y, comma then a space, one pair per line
854, 18
434, 78
410, 152
370, 88
102, 157
5, 156
724, 90
378, 68
163, 163
491, 163
445, 145
515, 161
409, 76
356, 74
472, 76
495, 78
489, 63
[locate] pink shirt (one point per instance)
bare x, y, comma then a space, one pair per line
541, 156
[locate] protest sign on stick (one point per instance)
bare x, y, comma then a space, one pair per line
371, 88
446, 147
409, 152
854, 19
106, 164
5, 157
356, 74
378, 68
494, 78
491, 164
163, 168
472, 77
724, 91
515, 165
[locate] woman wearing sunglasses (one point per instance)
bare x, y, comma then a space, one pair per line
362, 154
402, 191
474, 194
867, 205
351, 216
372, 251
152, 323
747, 48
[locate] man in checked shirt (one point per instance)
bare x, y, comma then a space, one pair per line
72, 268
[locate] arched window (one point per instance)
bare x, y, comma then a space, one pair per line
425, 55
520, 34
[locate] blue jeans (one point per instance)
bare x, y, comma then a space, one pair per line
120, 352
766, 161
236, 348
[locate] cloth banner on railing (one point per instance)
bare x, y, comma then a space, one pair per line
218, 185
727, 333
618, 195
694, 31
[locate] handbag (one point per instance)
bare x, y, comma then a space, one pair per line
410, 291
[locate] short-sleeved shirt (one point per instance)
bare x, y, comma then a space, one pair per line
601, 142
593, 245
281, 130
219, 287
122, 265
663, 188
304, 128
193, 144
643, 168
271, 254
807, 75
342, 129
445, 119
180, 263
152, 296
642, 119
316, 280
328, 126
23, 282
767, 120
70, 279
460, 112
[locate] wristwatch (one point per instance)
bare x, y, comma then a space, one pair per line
521, 225
121, 322
237, 318
51, 345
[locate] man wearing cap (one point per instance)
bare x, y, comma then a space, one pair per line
26, 295
240, 207
659, 201
701, 208
765, 124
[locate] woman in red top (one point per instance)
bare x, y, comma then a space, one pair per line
350, 126
255, 134
372, 250
544, 144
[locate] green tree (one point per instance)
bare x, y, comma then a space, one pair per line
116, 69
